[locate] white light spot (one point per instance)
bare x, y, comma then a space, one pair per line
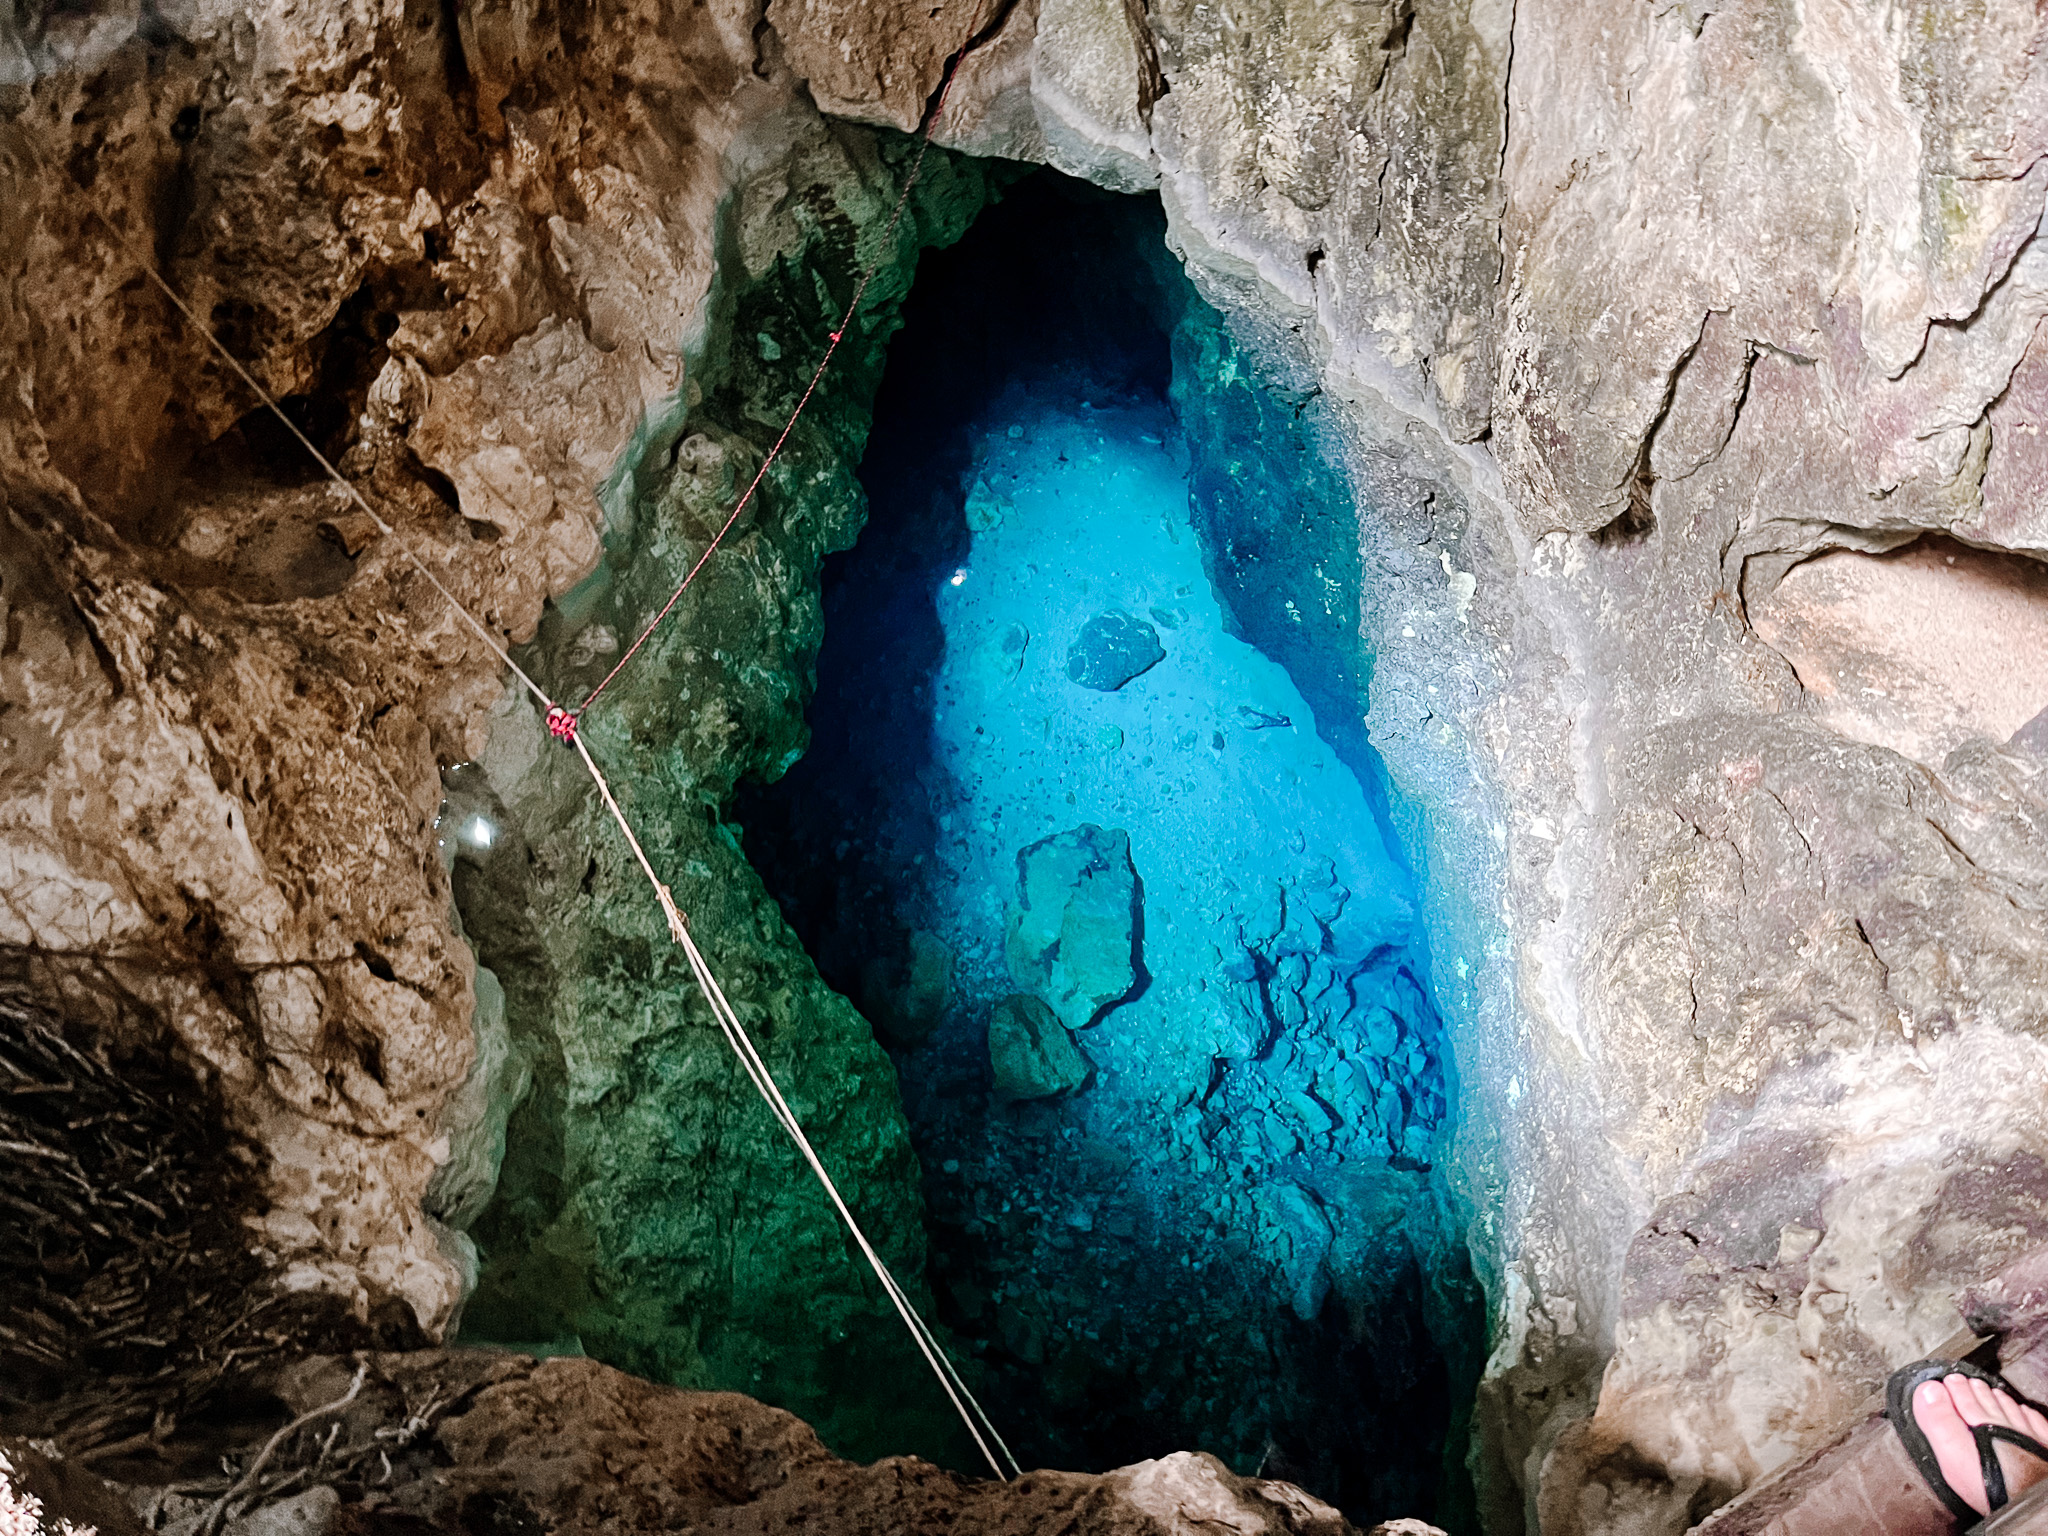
959, 576
479, 832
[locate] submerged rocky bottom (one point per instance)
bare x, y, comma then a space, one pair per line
1127, 922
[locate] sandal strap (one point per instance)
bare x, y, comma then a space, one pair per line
1987, 1437
1987, 1465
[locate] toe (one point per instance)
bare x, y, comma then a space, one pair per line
1995, 1405
1938, 1410
1972, 1399
2006, 1407
2034, 1422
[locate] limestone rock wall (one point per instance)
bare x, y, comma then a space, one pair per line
493, 266
1719, 706
651, 1211
1793, 933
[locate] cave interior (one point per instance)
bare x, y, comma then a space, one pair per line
1089, 829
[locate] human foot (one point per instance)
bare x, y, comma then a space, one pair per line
1948, 1408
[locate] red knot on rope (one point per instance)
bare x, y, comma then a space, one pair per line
561, 724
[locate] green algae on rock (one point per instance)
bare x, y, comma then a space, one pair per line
649, 1210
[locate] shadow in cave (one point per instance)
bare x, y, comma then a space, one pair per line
1197, 1212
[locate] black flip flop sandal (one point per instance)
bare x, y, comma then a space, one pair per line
1898, 1407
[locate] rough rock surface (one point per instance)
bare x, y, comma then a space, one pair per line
1654, 333
472, 258
1112, 648
1073, 929
223, 731
636, 1107
905, 996
1030, 1052
1923, 648
470, 1441
1750, 283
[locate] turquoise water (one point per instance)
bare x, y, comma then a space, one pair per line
1220, 1232
1248, 834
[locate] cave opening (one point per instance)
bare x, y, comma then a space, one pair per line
1090, 830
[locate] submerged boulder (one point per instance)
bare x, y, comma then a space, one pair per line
1010, 646
1030, 1051
1294, 1236
1073, 931
1112, 648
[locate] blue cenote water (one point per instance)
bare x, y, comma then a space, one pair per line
1111, 881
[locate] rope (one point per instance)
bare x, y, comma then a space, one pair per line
972, 1414
949, 1377
565, 726
334, 474
562, 723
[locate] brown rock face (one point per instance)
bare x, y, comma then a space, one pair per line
473, 1441
1919, 650
874, 64
1741, 302
465, 257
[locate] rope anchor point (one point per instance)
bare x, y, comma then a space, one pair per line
561, 724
